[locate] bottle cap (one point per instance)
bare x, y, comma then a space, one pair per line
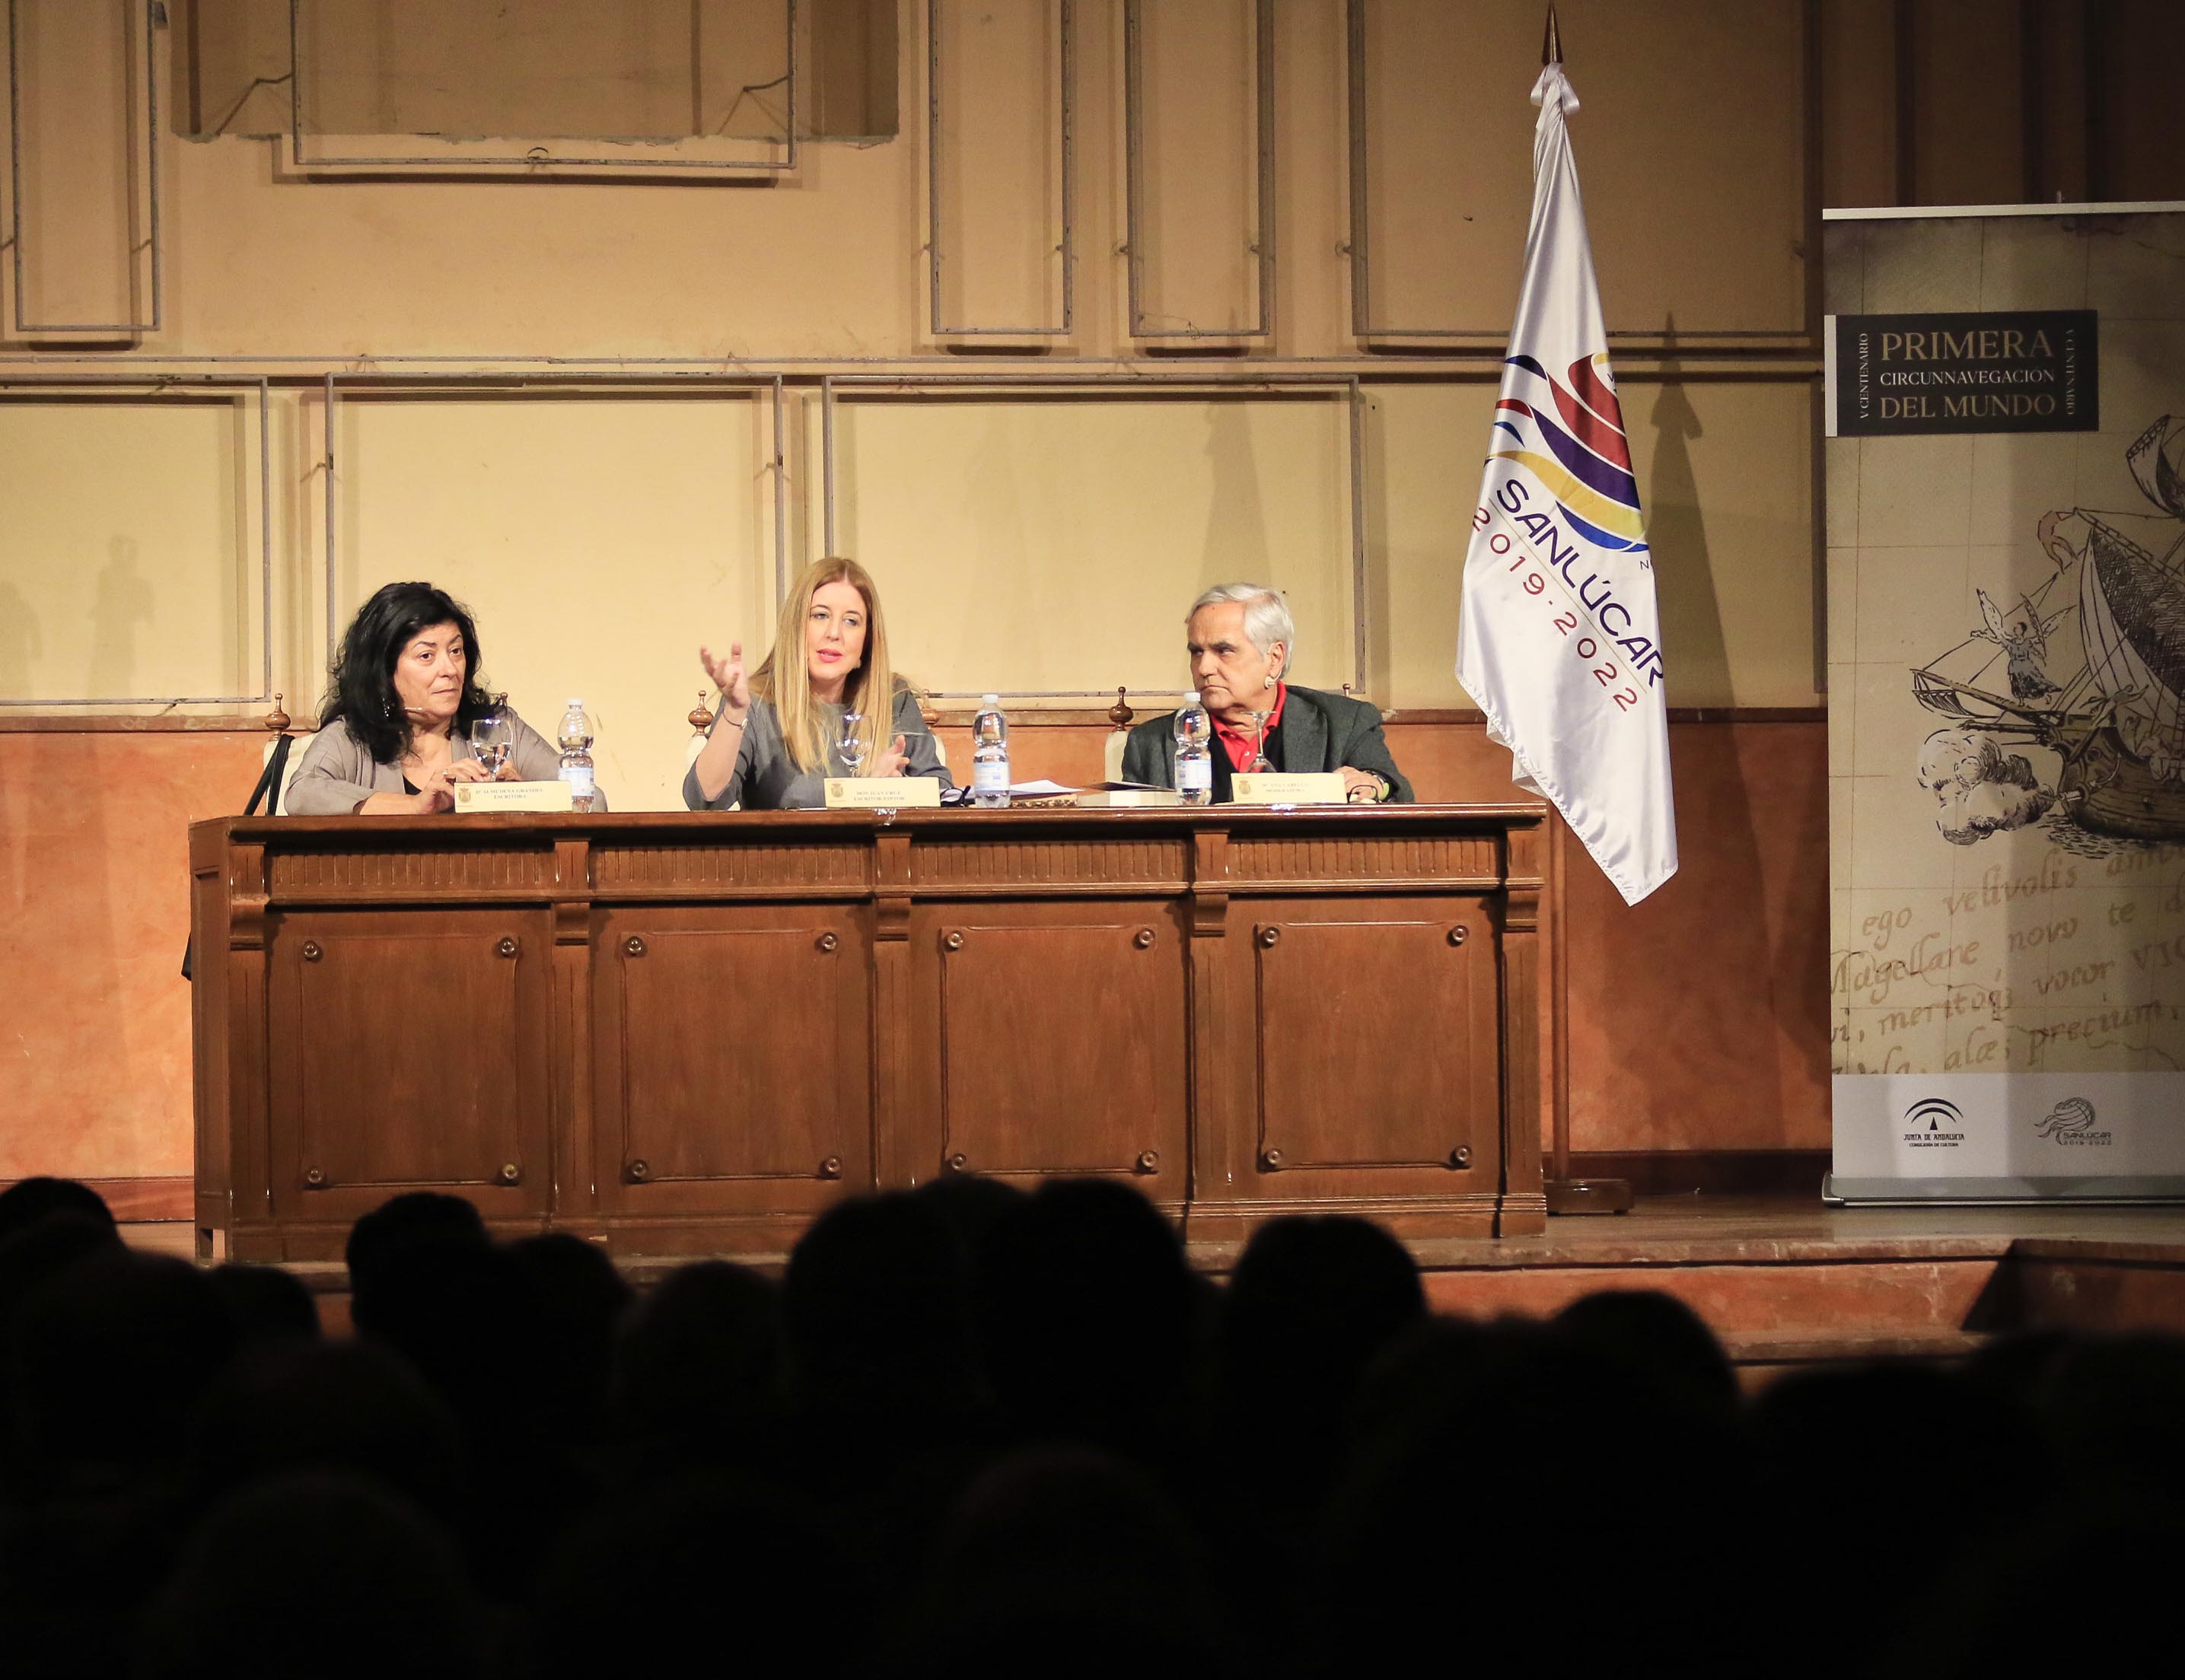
573, 700
995, 699
1191, 696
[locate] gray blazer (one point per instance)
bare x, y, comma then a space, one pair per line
766, 778
1319, 731
336, 775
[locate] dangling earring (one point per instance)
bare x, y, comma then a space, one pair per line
387, 709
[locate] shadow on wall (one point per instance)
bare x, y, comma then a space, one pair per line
20, 644
1235, 508
1739, 1028
123, 601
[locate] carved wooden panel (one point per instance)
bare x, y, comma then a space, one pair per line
371, 871
1372, 860
408, 1049
733, 1045
1060, 1039
1376, 1038
731, 863
1141, 864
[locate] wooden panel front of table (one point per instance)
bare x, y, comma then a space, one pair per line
691, 1034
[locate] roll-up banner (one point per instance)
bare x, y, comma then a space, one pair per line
2005, 402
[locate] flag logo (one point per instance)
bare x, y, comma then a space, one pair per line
1589, 475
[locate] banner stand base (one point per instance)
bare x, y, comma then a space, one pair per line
1995, 1192
1589, 1195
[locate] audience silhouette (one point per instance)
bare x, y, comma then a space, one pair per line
973, 1431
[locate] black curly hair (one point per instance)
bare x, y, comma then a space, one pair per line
360, 686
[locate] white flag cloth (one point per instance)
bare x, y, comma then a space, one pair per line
1560, 644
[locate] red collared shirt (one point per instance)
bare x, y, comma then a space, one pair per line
1240, 745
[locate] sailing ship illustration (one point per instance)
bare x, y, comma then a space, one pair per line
2118, 722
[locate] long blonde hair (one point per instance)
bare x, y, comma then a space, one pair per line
786, 678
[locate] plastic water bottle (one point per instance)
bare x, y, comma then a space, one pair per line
1194, 766
990, 755
576, 738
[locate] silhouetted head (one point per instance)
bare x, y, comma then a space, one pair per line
1065, 1562
417, 1219
266, 1303
706, 1564
1953, 1465
699, 1362
284, 1409
577, 1300
1657, 1334
321, 1576
1515, 1419
1312, 1301
1086, 1316
110, 1356
874, 1307
969, 1205
2114, 1402
28, 1200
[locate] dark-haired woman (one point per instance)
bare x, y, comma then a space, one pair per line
394, 734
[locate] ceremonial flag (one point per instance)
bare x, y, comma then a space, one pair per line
1560, 643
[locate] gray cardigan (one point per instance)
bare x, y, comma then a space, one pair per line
766, 778
336, 774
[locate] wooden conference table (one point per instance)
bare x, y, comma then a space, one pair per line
692, 1033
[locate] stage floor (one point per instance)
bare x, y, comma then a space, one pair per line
1784, 1282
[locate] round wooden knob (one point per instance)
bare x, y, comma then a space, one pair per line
1120, 714
511, 1173
314, 1177
1270, 937
638, 1171
700, 717
277, 720
957, 1163
1458, 935
1145, 938
832, 1167
828, 941
1271, 1159
1460, 1156
311, 952
1148, 1161
951, 940
633, 946
506, 947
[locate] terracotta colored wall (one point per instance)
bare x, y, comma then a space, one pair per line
1698, 1020
94, 879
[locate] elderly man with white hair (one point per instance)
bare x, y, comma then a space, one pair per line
1241, 641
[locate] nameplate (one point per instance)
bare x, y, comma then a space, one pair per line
474, 798
1318, 787
883, 793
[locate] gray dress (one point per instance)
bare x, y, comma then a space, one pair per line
336, 774
766, 778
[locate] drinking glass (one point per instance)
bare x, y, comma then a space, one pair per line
493, 739
851, 748
1259, 767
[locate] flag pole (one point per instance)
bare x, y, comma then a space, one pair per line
1567, 1192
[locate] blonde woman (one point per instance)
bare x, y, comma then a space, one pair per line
779, 733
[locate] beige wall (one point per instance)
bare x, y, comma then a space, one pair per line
1036, 537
